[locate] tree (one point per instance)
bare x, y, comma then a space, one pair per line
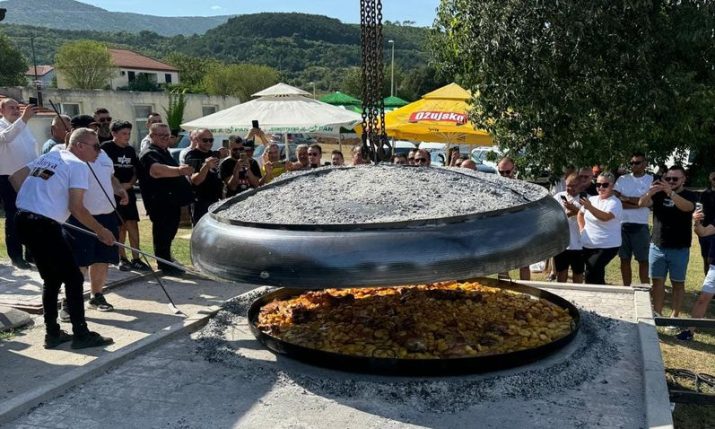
192, 70
567, 83
240, 80
13, 65
85, 64
175, 111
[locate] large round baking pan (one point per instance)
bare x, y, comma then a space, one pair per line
425, 367
347, 255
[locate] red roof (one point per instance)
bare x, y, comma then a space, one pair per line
41, 70
127, 59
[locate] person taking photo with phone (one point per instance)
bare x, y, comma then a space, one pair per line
239, 171
17, 148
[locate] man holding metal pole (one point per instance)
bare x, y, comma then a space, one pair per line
51, 188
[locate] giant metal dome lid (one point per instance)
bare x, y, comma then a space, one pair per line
378, 225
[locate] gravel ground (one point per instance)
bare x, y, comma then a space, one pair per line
377, 194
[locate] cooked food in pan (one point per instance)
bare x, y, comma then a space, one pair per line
433, 321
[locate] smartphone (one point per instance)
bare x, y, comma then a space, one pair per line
33, 100
254, 123
563, 198
698, 206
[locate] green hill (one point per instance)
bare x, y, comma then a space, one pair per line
303, 48
74, 15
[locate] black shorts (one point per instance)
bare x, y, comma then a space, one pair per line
570, 258
130, 211
88, 250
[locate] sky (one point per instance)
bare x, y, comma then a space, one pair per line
348, 11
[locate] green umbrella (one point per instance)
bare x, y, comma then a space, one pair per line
395, 102
337, 98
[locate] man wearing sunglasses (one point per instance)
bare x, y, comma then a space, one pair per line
50, 189
673, 206
422, 158
104, 119
208, 187
165, 189
634, 225
240, 172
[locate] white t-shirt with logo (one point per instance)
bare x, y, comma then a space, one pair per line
598, 234
575, 235
95, 199
629, 185
46, 189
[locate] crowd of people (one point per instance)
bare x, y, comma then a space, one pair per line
78, 199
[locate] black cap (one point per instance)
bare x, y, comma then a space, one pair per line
82, 121
249, 143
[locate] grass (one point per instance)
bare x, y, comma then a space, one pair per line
697, 356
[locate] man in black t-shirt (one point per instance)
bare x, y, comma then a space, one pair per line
125, 162
165, 189
239, 171
207, 186
673, 207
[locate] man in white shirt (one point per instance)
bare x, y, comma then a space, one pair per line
153, 118
17, 148
634, 227
573, 255
51, 188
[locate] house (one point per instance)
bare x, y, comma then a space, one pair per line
132, 106
130, 67
45, 74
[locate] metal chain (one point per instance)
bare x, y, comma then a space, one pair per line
374, 137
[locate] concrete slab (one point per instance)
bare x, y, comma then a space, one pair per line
11, 318
221, 376
23, 288
29, 373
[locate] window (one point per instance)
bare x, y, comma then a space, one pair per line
141, 112
69, 109
207, 110
167, 77
131, 76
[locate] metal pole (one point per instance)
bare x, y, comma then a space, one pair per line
392, 67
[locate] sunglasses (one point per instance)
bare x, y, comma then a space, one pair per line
422, 160
636, 162
94, 146
163, 136
207, 140
504, 172
238, 149
671, 179
104, 119
602, 185
313, 154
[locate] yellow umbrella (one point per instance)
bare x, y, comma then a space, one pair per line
439, 116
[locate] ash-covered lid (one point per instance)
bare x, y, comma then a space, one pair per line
378, 225
378, 194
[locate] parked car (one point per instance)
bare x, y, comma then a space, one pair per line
486, 158
293, 138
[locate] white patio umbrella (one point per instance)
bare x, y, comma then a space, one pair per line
279, 109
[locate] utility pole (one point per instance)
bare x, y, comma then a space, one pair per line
392, 67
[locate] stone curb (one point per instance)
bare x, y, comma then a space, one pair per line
19, 405
655, 388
